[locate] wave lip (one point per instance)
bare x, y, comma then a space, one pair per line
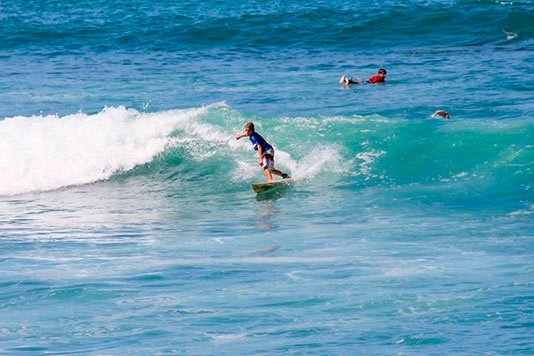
49, 152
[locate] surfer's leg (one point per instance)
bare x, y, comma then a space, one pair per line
268, 173
280, 173
269, 163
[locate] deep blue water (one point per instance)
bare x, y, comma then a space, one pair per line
127, 221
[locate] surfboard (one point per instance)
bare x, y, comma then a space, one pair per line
271, 186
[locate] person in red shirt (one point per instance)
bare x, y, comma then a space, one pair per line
380, 77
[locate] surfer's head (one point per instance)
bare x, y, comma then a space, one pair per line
249, 128
382, 72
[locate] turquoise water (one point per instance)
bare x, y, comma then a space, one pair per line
127, 221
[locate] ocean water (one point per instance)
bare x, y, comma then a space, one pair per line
127, 221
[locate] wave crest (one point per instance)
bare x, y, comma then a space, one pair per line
49, 152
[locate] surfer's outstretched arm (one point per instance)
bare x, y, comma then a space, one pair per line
240, 135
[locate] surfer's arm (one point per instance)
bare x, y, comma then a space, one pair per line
260, 155
240, 135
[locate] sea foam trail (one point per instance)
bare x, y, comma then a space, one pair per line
50, 152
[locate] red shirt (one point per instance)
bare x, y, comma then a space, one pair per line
376, 79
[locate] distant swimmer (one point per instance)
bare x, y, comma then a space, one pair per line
265, 151
441, 113
380, 77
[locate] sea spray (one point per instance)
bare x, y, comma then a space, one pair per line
50, 152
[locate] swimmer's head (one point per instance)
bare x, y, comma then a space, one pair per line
443, 114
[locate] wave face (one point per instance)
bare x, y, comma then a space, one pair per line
490, 158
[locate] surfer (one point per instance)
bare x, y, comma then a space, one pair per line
441, 113
380, 77
265, 151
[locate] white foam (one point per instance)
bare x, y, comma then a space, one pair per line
50, 152
366, 161
322, 159
227, 337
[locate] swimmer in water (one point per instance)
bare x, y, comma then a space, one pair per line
380, 77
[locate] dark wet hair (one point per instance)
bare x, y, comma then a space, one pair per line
382, 70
